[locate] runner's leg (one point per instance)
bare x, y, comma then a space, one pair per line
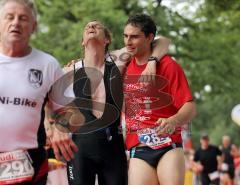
171, 167
141, 173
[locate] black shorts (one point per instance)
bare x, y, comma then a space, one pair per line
40, 165
99, 155
150, 155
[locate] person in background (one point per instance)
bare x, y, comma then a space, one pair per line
227, 167
236, 157
207, 159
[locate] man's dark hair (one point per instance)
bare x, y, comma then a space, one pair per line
144, 22
204, 136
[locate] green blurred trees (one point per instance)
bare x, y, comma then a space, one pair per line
207, 45
212, 45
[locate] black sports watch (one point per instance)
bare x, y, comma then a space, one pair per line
152, 58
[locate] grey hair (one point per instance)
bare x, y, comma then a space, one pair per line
29, 3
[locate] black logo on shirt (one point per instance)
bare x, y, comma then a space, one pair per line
17, 101
35, 78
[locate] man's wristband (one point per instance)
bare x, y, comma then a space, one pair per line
152, 58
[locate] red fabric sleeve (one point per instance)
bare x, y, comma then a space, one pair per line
179, 87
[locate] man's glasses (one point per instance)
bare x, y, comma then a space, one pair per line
94, 26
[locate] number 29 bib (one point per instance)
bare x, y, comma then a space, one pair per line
15, 167
150, 138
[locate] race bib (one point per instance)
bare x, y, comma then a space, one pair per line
15, 167
150, 138
214, 175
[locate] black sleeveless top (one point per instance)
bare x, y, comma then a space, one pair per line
114, 98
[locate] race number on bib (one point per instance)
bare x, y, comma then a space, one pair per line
150, 138
15, 167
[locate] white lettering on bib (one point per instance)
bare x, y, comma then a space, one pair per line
149, 137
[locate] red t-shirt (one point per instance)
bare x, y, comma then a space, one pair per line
144, 104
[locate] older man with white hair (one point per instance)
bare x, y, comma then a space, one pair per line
26, 77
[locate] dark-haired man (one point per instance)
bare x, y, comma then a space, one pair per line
156, 111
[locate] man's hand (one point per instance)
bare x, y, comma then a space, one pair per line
184, 115
166, 126
63, 144
196, 167
160, 48
149, 73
